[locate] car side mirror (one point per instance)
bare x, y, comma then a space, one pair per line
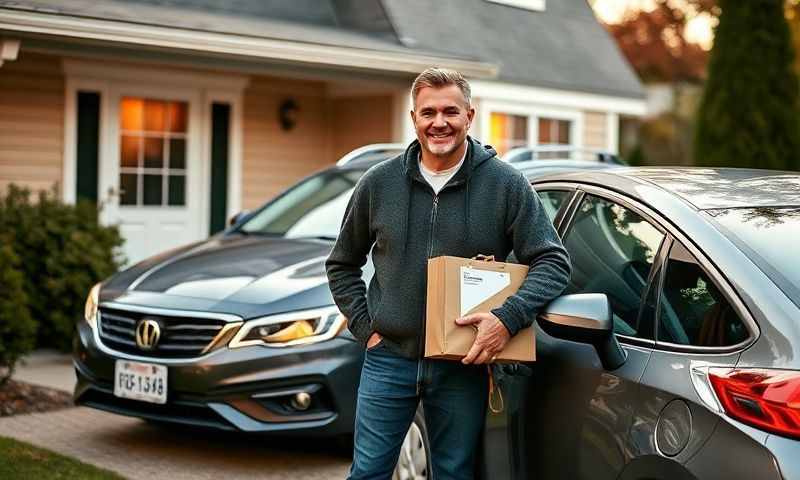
238, 217
585, 318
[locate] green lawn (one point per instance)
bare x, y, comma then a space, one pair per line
19, 460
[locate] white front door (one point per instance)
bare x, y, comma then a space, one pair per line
152, 172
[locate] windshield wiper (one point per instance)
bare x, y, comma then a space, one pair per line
328, 238
257, 233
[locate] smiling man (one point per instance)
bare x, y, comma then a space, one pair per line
446, 195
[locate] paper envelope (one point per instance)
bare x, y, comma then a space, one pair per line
460, 286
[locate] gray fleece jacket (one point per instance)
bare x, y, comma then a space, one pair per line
488, 208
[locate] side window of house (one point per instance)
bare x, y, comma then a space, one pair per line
553, 200
612, 249
693, 311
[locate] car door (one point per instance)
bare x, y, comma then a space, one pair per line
570, 418
575, 416
504, 429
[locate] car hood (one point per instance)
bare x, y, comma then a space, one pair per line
244, 275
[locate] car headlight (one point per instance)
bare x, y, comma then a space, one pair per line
288, 329
90, 309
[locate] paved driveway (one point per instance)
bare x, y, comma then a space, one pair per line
138, 450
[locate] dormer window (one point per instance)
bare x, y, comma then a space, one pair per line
535, 5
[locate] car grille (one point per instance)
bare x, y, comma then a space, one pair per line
181, 336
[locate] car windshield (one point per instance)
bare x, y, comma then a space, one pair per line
768, 235
312, 208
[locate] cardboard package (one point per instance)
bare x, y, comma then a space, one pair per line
460, 286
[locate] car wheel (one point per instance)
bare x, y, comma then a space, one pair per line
414, 462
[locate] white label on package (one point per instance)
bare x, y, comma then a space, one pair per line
477, 286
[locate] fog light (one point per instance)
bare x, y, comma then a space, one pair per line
301, 401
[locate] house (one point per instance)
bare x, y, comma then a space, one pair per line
177, 114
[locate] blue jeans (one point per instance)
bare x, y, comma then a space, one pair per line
453, 398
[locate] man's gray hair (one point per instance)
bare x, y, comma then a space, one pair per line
436, 77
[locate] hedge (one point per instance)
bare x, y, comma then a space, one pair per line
17, 328
63, 251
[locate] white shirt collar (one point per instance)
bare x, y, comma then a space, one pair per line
450, 170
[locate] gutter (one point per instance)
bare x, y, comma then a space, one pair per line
257, 48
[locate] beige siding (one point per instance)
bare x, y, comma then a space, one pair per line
31, 121
326, 128
359, 121
274, 158
594, 130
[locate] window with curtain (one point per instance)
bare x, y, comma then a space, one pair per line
152, 152
507, 131
554, 132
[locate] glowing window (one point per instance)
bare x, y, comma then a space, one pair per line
152, 152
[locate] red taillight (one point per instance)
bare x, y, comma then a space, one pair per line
766, 399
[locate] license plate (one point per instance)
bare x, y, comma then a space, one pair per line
140, 381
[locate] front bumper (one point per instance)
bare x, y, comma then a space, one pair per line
245, 389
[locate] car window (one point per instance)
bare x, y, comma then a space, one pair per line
312, 208
553, 200
693, 310
612, 249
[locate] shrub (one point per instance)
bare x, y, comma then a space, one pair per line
64, 251
17, 328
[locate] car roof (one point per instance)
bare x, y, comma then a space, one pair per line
703, 188
538, 168
532, 169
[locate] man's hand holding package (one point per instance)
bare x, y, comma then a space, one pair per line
492, 337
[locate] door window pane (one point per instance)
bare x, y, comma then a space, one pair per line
552, 200
127, 189
177, 190
132, 114
153, 152
152, 188
612, 249
154, 116
507, 131
176, 115
177, 153
129, 151
693, 311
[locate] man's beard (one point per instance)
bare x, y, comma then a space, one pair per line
441, 150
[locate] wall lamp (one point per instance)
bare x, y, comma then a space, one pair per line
287, 114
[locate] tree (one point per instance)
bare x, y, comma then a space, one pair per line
654, 43
793, 17
749, 115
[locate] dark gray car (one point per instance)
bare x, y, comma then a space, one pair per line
694, 373
238, 332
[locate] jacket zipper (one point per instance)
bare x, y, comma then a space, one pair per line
434, 208
433, 224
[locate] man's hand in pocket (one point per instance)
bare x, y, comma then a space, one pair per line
374, 339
